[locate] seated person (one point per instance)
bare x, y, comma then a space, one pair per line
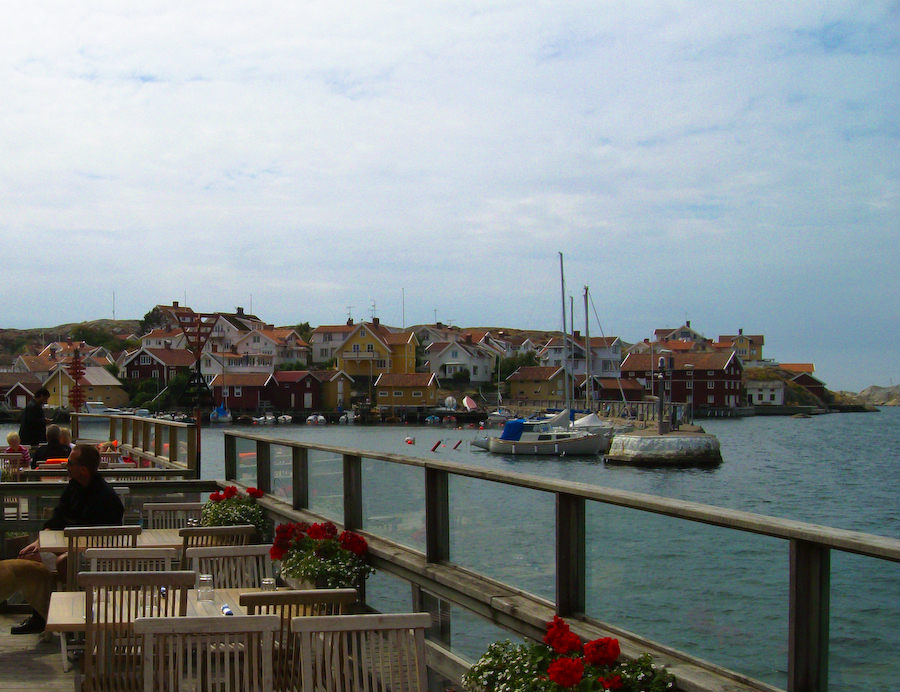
65, 437
15, 447
54, 449
88, 500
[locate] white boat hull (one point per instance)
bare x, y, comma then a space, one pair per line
576, 445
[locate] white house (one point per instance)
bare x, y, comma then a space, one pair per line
445, 358
765, 392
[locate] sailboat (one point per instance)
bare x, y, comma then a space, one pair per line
220, 415
555, 436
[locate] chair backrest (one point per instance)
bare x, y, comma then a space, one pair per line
207, 653
204, 536
172, 515
288, 605
80, 538
232, 567
346, 653
132, 559
109, 458
13, 463
112, 603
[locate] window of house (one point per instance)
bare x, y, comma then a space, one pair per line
417, 395
381, 363
208, 378
474, 371
156, 374
323, 352
771, 397
256, 338
145, 360
356, 348
327, 337
710, 399
689, 385
398, 392
711, 373
710, 385
370, 348
362, 332
383, 394
238, 391
226, 391
454, 353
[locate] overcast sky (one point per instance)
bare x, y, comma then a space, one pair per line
733, 164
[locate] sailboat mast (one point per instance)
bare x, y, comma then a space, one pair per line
562, 282
589, 356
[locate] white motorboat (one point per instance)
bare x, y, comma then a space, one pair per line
522, 436
316, 419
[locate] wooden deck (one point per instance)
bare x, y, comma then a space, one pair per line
27, 662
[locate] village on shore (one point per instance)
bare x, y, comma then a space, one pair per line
239, 361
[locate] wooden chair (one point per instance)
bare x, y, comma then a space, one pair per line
288, 605
203, 536
132, 559
171, 515
376, 653
207, 653
112, 603
80, 538
232, 567
13, 463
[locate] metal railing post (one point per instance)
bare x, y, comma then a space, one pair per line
230, 457
300, 477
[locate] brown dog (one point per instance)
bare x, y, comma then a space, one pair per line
31, 578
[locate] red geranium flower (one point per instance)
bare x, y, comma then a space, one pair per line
216, 496
559, 638
353, 542
602, 652
255, 492
613, 682
566, 671
230, 492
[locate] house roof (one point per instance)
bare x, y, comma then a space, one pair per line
243, 379
10, 379
93, 376
413, 379
163, 334
284, 376
809, 368
755, 338
334, 328
171, 356
700, 361
534, 372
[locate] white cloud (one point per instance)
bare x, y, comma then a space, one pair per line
734, 162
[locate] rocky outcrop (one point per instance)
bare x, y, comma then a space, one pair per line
673, 449
876, 396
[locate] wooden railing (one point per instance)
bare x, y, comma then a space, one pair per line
164, 443
431, 571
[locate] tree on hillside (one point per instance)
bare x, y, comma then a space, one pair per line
305, 331
155, 319
521, 360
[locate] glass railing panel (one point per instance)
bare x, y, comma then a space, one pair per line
394, 502
326, 484
282, 471
490, 534
717, 594
864, 613
246, 461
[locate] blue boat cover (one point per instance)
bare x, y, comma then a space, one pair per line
512, 431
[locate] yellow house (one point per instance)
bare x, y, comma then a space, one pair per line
372, 349
336, 388
748, 347
538, 383
407, 390
98, 384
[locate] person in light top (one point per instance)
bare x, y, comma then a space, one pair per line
15, 447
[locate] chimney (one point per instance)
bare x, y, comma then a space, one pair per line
174, 303
167, 344
688, 324
349, 321
240, 311
741, 331
375, 322
577, 335
468, 338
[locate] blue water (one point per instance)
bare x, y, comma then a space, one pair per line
714, 593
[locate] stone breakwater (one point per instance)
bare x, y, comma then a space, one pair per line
672, 449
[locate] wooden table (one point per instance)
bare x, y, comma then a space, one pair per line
67, 608
53, 540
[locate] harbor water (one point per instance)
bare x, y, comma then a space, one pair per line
717, 594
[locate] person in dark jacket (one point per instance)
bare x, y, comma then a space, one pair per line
33, 428
88, 500
54, 449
